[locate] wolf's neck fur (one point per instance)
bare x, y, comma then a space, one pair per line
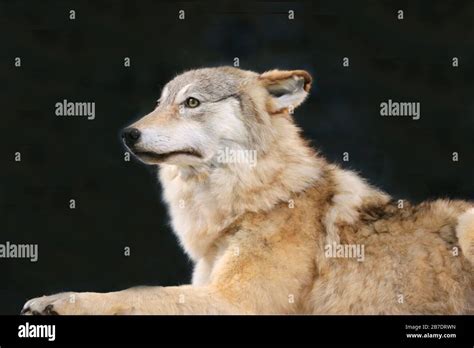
203, 202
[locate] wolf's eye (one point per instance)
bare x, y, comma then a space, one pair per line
192, 102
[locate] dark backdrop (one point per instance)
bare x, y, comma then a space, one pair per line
118, 202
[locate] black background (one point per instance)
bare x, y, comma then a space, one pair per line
118, 202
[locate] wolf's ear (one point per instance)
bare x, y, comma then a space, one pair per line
287, 88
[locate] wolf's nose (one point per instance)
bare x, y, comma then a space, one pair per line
130, 135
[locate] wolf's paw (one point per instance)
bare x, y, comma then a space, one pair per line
59, 304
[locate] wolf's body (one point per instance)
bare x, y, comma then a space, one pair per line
264, 238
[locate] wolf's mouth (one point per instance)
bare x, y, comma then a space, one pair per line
149, 155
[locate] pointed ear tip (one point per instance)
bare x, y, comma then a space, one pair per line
308, 83
306, 76
308, 79
271, 76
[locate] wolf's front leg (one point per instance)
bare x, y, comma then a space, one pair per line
142, 300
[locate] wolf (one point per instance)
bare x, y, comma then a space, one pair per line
259, 235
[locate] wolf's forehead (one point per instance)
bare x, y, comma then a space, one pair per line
209, 82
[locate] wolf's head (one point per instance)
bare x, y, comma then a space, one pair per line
206, 113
